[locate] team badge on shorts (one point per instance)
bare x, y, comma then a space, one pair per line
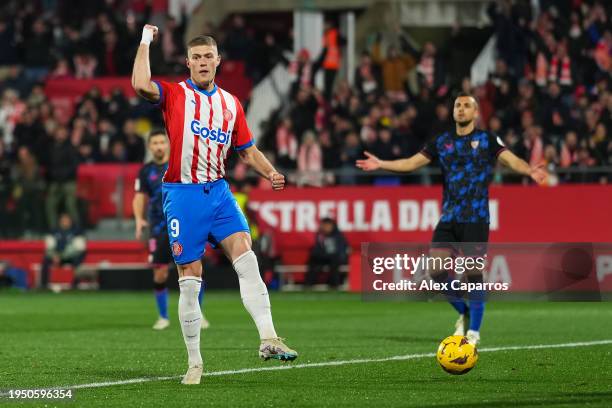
474, 144
228, 115
177, 248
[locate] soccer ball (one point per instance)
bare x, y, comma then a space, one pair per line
456, 355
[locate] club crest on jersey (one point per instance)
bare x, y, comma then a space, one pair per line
474, 144
177, 248
214, 135
227, 115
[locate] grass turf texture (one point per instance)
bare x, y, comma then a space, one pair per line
76, 338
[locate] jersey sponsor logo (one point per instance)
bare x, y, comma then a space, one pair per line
227, 115
474, 144
177, 248
214, 135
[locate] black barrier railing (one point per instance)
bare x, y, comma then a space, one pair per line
433, 175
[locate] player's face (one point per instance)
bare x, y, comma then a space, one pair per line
465, 110
203, 61
158, 145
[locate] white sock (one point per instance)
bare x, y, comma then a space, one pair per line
254, 294
191, 317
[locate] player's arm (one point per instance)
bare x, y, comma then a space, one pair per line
399, 166
139, 205
141, 74
512, 161
253, 157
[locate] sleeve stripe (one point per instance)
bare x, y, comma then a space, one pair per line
500, 151
426, 154
244, 146
161, 94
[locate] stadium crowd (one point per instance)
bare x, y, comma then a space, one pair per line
40, 152
549, 97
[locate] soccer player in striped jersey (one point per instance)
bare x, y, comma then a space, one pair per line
467, 156
204, 124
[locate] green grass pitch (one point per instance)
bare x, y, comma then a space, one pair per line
49, 340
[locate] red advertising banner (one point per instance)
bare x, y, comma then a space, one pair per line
572, 213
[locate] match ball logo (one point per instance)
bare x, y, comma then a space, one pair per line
227, 115
177, 248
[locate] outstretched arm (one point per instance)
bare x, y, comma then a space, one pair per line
255, 158
139, 204
141, 74
510, 160
399, 166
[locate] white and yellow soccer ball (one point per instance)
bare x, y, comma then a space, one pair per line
456, 355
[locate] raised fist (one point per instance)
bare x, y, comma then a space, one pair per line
149, 34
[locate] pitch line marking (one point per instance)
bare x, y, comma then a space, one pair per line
328, 364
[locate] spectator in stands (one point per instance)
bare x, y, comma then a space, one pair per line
303, 111
106, 135
368, 79
442, 121
330, 251
332, 44
118, 107
62, 172
286, 145
113, 61
303, 71
36, 48
329, 150
569, 149
237, 44
85, 65
310, 161
551, 158
28, 192
15, 79
7, 207
66, 245
510, 22
351, 151
535, 144
172, 44
30, 133
598, 149
8, 49
394, 67
134, 143
269, 53
11, 109
118, 152
83, 140
430, 68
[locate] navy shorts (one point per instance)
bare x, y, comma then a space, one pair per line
467, 238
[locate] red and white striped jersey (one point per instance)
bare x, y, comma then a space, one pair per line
202, 127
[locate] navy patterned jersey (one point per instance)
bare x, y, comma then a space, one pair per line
149, 182
467, 165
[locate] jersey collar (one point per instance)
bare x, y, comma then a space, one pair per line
472, 133
204, 91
